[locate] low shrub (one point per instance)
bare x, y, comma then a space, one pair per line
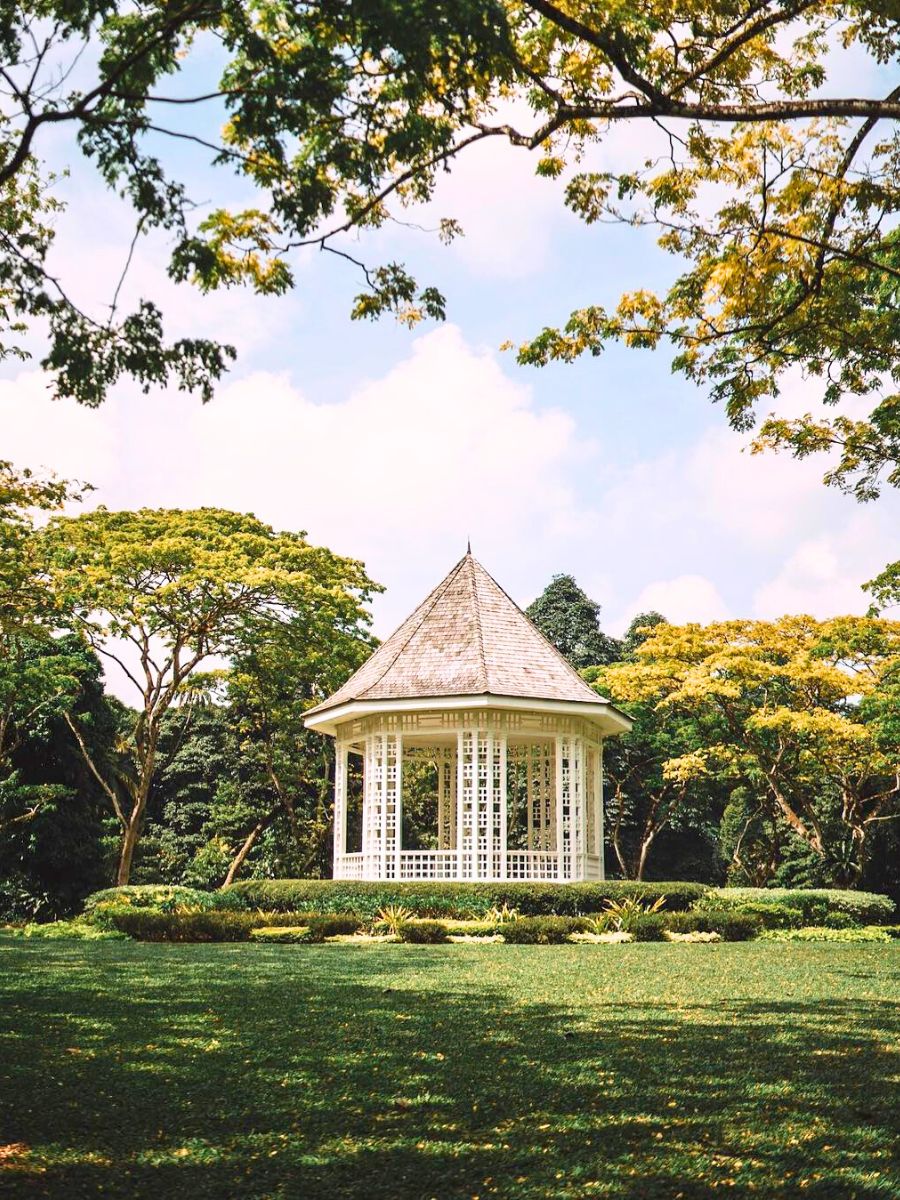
543, 931
77, 929
287, 935
695, 936
149, 925
768, 916
732, 925
459, 900
650, 927
475, 928
423, 933
821, 933
164, 898
333, 925
815, 903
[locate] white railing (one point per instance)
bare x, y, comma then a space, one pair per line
525, 865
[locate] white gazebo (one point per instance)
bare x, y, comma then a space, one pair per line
473, 699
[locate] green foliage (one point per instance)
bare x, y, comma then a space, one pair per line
543, 931
814, 903
423, 933
768, 916
649, 927
184, 586
391, 917
732, 925
209, 925
822, 933
333, 925
571, 621
625, 915
289, 935
455, 899
163, 898
77, 930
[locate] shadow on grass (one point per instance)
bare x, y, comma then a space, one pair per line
280, 1073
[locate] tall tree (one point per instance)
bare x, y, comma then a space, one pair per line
53, 824
786, 706
38, 679
568, 618
163, 592
278, 673
775, 185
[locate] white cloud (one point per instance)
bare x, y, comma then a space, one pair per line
400, 473
685, 598
823, 576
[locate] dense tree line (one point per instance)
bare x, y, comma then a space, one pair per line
761, 752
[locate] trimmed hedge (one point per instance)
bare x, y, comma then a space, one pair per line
280, 934
148, 925
164, 898
816, 904
649, 927
337, 925
542, 931
865, 933
731, 925
423, 933
439, 900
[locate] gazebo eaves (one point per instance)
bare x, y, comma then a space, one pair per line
601, 713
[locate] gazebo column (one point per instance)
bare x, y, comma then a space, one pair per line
340, 807
447, 789
481, 804
382, 806
570, 808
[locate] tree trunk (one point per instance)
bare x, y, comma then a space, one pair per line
129, 842
249, 842
140, 796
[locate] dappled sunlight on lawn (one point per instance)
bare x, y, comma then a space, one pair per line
391, 1071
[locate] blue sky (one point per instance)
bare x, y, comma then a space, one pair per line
395, 446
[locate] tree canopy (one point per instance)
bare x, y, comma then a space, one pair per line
568, 618
165, 592
775, 186
797, 711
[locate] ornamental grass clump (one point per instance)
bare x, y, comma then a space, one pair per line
390, 918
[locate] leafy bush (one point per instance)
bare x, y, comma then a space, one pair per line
732, 925
768, 916
474, 928
815, 903
423, 933
543, 931
289, 935
149, 925
334, 925
820, 933
63, 930
164, 898
443, 900
623, 916
649, 927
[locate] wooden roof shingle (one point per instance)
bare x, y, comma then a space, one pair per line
467, 638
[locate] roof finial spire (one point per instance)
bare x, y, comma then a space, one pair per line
468, 545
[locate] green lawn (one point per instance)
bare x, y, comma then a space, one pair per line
165, 1071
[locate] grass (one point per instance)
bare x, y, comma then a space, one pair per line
394, 1072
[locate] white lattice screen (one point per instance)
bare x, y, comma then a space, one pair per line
514, 800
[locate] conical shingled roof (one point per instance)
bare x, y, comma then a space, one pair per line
467, 638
